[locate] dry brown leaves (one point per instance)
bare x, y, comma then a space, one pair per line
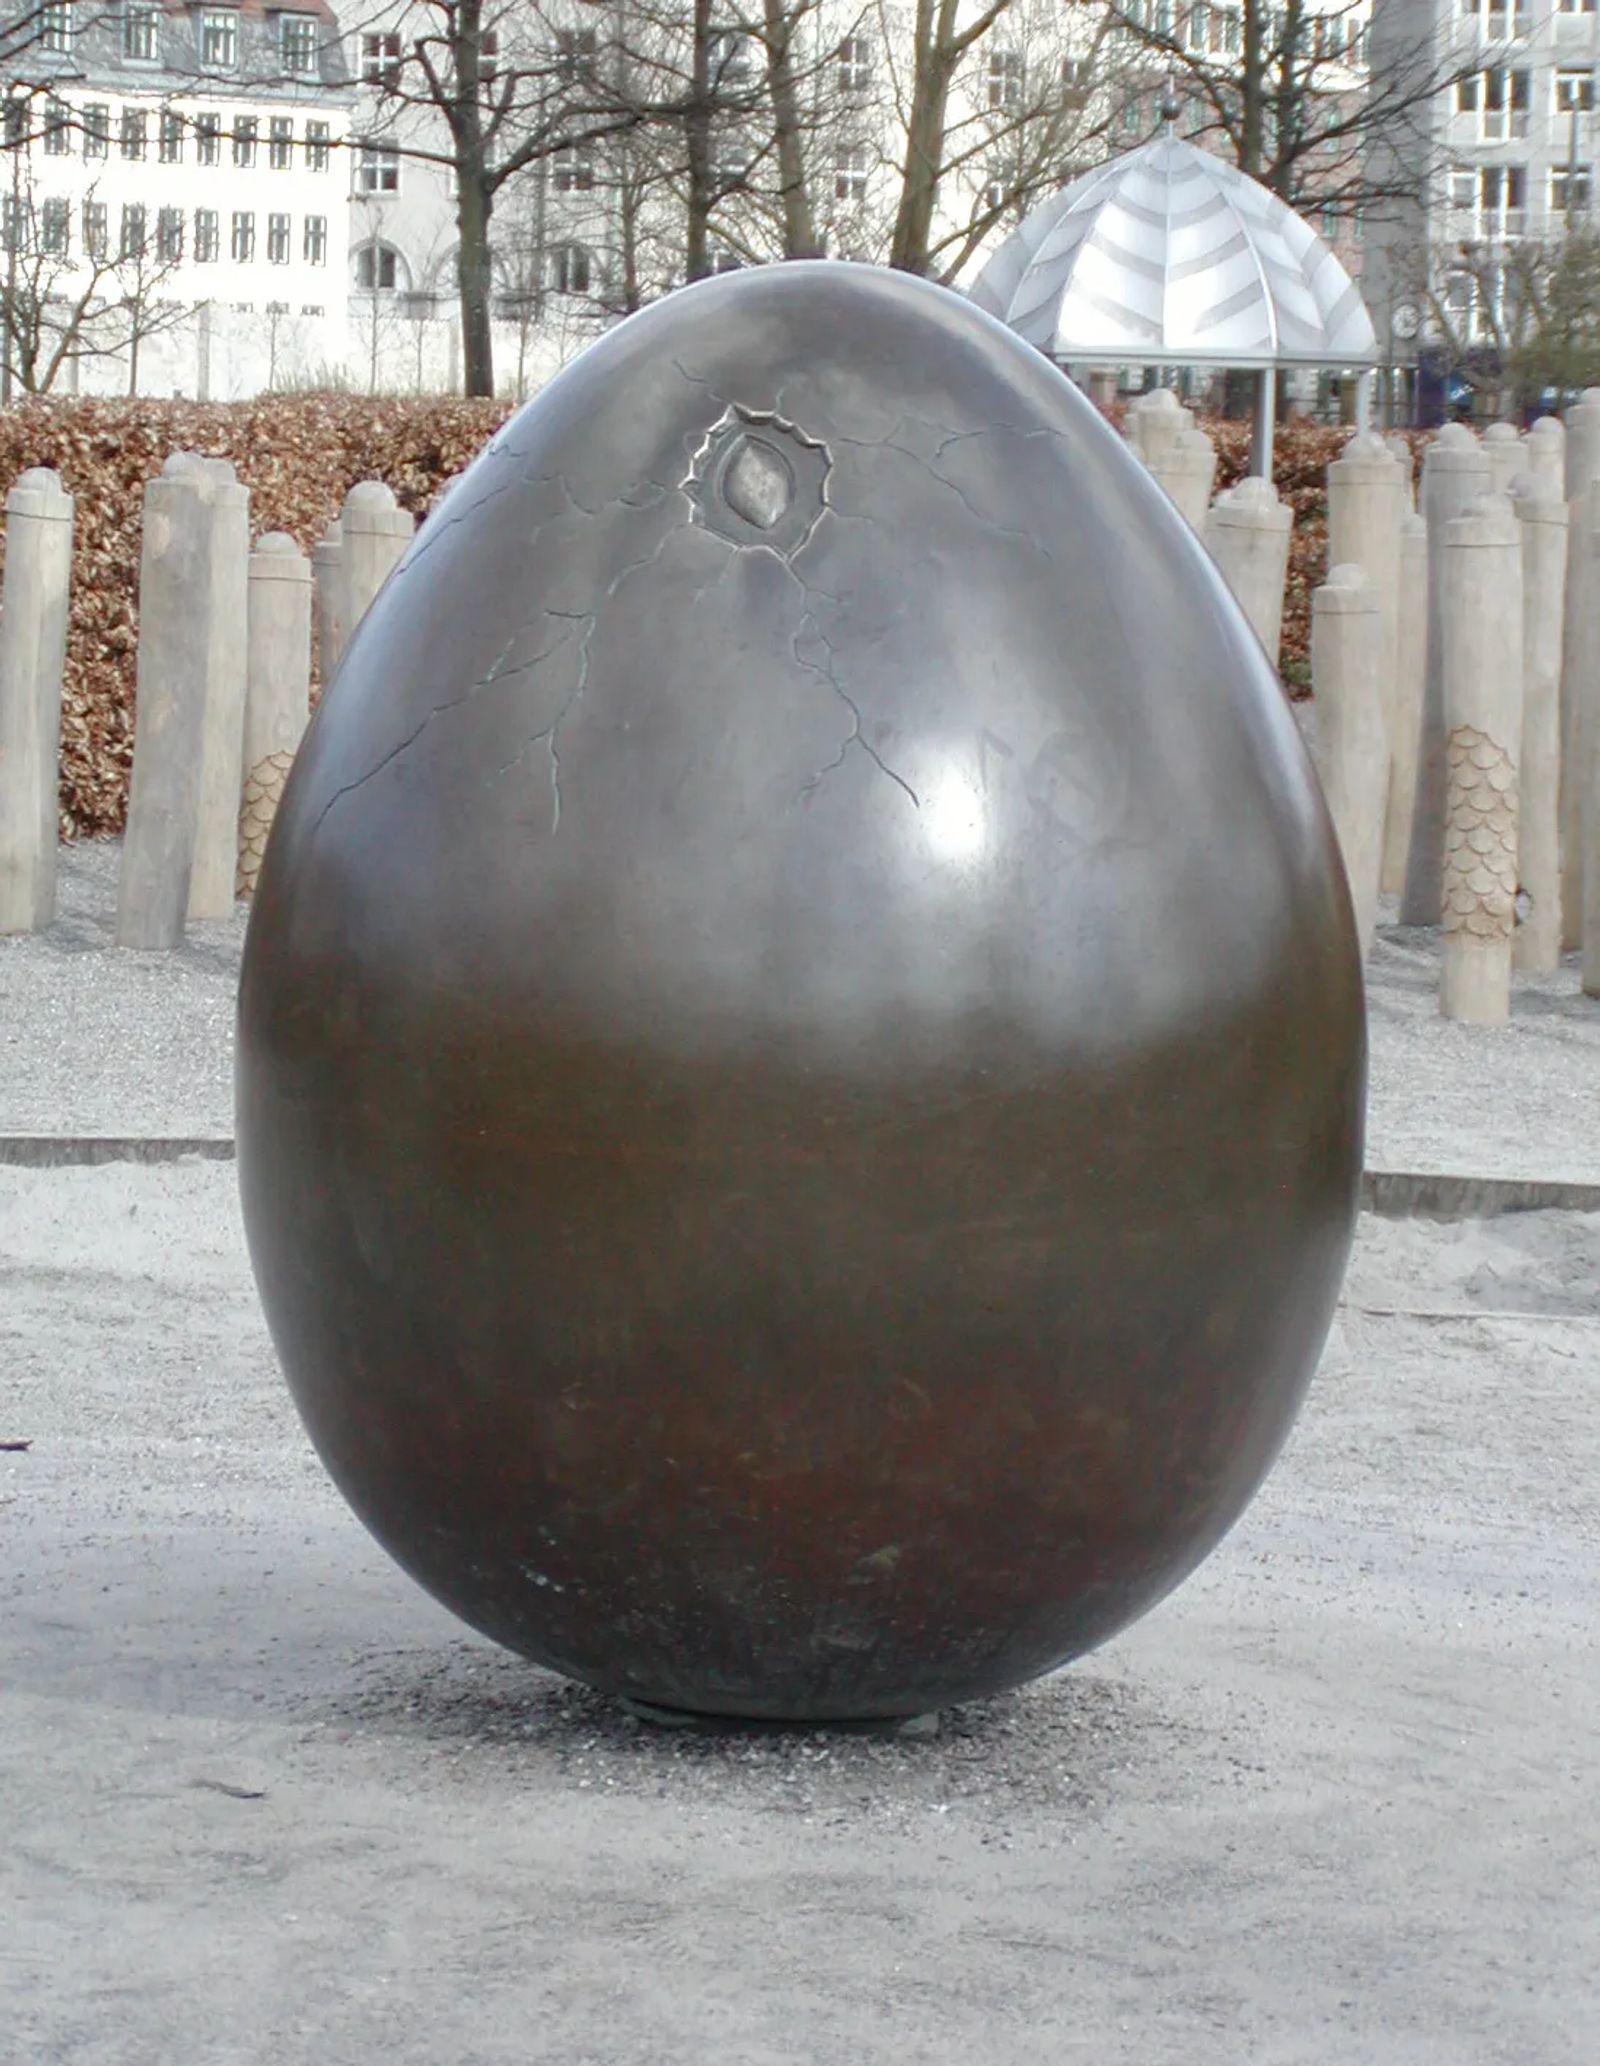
297, 454
300, 454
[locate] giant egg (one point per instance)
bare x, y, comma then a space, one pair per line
801, 1052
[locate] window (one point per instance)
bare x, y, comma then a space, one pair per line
1458, 299
297, 45
1328, 37
725, 261
1197, 28
277, 240
135, 132
169, 148
208, 139
57, 129
315, 245
16, 123
855, 66
1330, 221
141, 35
312, 308
575, 52
488, 56
207, 236
219, 40
1005, 78
55, 27
1132, 117
728, 57
850, 172
245, 130
1232, 34
1575, 92
569, 269
1467, 93
9, 209
573, 169
378, 169
1576, 6
243, 245
55, 226
1505, 104
1502, 196
133, 233
1569, 189
280, 145
95, 233
377, 268
96, 130
169, 235
316, 147
380, 60
996, 196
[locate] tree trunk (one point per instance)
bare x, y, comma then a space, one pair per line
799, 224
697, 147
474, 204
1252, 78
932, 65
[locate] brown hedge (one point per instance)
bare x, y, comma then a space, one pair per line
298, 455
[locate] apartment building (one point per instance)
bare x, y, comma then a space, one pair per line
187, 162
1505, 155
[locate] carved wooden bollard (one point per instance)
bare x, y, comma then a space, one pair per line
174, 591
1536, 945
1410, 677
1187, 469
279, 692
1352, 746
1482, 682
1455, 473
33, 647
222, 743
1366, 499
374, 532
327, 580
1546, 447
1507, 457
1247, 534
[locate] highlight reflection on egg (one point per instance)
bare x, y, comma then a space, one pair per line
801, 1050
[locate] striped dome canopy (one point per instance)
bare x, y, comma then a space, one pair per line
1167, 256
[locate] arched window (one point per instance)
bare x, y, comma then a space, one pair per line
380, 269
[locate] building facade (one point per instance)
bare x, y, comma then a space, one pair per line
175, 192
1502, 166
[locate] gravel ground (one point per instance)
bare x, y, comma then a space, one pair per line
1331, 1805
94, 1040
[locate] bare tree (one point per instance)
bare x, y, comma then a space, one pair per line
58, 309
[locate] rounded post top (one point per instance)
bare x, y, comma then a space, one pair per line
1548, 430
220, 471
1365, 457
184, 466
39, 493
1163, 399
1501, 434
369, 497
277, 558
1254, 501
1347, 588
1487, 520
1413, 529
1453, 437
1456, 450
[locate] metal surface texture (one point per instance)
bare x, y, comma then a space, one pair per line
801, 1050
1167, 256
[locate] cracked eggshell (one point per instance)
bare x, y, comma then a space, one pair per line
801, 1004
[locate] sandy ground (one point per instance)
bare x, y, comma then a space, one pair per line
1332, 1804
94, 1040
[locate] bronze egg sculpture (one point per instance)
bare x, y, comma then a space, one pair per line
801, 1049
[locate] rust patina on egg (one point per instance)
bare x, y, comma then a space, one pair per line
801, 1046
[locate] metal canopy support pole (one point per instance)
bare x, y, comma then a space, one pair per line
1266, 415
